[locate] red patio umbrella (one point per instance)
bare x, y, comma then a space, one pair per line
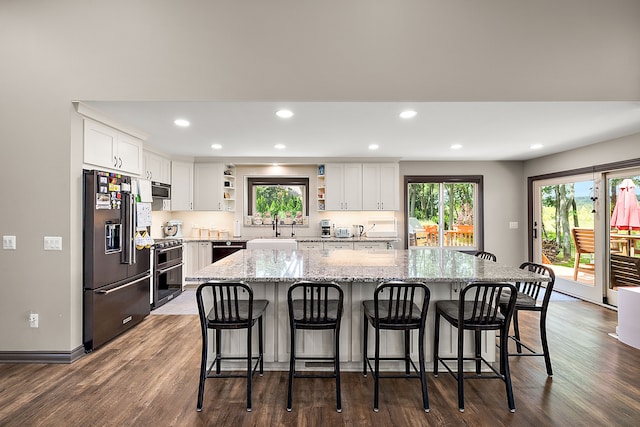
626, 214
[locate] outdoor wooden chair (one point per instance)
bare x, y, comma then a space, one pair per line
583, 239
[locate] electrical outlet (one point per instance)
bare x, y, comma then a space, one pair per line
33, 320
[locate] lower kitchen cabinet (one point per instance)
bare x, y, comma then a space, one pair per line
338, 245
310, 245
365, 246
197, 255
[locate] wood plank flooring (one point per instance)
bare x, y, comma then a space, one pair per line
149, 377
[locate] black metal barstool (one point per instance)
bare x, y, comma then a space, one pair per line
394, 307
228, 305
315, 306
477, 310
486, 255
528, 297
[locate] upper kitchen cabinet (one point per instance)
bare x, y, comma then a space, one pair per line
214, 187
156, 168
380, 186
343, 186
181, 186
109, 148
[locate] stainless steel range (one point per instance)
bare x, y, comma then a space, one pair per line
167, 271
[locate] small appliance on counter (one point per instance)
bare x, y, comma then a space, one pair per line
325, 224
173, 229
343, 232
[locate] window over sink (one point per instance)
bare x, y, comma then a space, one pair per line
286, 197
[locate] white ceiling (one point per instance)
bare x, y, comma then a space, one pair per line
486, 130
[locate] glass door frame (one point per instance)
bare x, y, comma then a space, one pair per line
601, 206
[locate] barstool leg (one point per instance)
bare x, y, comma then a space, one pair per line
460, 369
203, 371
249, 368
423, 375
218, 351
516, 331
504, 355
545, 345
292, 363
260, 345
436, 343
376, 374
336, 361
478, 351
365, 322
407, 365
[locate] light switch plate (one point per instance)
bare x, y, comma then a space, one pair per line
513, 225
52, 243
9, 242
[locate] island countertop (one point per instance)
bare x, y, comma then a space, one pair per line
427, 265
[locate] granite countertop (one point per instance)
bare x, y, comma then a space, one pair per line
427, 265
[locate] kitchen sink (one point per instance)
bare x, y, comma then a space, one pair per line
272, 244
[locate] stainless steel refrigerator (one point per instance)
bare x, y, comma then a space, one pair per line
116, 273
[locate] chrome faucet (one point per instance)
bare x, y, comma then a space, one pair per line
293, 233
275, 225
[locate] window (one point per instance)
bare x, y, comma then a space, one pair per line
281, 196
444, 211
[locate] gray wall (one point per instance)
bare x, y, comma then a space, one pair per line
454, 50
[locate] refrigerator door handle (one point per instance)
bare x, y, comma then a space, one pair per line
126, 285
134, 226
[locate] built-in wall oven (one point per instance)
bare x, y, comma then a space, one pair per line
167, 271
226, 248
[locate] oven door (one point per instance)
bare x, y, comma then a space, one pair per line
167, 284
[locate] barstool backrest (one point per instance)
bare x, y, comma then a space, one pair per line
225, 303
400, 303
315, 302
534, 288
486, 255
481, 309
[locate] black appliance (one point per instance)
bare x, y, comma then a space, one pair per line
116, 273
160, 190
167, 271
224, 249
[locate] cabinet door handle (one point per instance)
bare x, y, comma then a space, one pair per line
381, 205
120, 165
115, 162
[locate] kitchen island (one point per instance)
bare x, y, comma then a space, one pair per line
270, 273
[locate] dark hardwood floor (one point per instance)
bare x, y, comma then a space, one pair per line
149, 377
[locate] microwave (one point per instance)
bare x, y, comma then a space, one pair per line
160, 190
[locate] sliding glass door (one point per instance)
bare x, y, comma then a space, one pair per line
623, 193
566, 233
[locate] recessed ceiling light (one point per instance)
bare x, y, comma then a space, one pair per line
373, 146
216, 146
408, 114
183, 123
284, 114
536, 146
280, 146
456, 146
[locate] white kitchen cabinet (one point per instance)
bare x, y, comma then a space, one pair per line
366, 246
181, 186
380, 186
309, 245
156, 168
213, 189
338, 245
197, 255
109, 148
343, 186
